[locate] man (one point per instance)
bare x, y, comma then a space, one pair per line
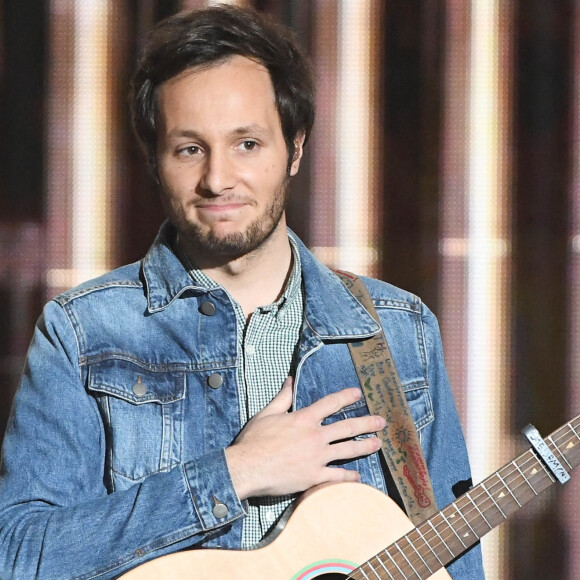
153, 410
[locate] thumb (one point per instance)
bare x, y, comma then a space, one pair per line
282, 401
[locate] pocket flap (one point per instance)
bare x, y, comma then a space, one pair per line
136, 383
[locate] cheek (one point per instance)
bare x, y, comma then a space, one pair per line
177, 182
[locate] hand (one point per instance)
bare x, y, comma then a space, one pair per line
277, 453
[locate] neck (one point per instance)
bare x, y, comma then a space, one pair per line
254, 279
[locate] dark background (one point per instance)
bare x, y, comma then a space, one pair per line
411, 123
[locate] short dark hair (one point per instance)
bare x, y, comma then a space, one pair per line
202, 38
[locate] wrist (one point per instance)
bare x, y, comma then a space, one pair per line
238, 469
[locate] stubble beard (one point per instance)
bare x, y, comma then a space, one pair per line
236, 244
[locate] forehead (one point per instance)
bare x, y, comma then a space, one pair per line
236, 90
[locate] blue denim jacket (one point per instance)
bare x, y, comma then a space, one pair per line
115, 448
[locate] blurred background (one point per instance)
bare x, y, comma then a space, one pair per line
445, 159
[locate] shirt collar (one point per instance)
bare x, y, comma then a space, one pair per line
291, 290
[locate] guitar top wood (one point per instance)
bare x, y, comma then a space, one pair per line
332, 530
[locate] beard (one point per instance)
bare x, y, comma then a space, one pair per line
234, 244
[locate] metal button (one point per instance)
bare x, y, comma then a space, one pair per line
139, 388
215, 381
220, 510
207, 308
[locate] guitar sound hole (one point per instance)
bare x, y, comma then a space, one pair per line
332, 576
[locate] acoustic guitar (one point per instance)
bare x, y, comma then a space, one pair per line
339, 531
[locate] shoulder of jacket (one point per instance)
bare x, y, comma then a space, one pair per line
387, 295
122, 278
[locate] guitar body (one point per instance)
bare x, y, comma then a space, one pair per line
332, 530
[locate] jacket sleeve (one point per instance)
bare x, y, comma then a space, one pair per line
57, 519
444, 444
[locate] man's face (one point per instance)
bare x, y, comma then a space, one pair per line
221, 157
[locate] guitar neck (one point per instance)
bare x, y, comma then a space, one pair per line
447, 534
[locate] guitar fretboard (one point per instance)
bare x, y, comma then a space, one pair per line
443, 537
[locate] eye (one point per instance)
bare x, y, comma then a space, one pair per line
189, 151
249, 145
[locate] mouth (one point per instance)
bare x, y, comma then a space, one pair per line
220, 207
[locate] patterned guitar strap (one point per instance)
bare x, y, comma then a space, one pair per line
384, 395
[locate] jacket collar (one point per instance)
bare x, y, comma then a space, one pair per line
164, 274
331, 311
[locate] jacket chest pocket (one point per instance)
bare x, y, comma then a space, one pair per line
142, 410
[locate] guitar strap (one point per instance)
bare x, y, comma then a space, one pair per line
384, 395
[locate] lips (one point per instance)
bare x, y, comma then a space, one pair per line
217, 207
224, 204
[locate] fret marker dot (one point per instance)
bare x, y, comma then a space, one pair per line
534, 471
466, 535
502, 494
570, 445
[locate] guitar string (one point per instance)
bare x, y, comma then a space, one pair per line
444, 541
528, 459
516, 479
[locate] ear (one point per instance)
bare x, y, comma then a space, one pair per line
298, 151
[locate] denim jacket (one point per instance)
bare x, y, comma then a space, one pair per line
114, 453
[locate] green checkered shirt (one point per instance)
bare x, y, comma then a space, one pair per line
266, 353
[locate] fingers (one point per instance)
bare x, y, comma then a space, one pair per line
339, 474
281, 402
353, 448
278, 452
333, 403
353, 427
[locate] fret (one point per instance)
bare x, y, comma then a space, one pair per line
361, 573
572, 449
546, 471
479, 511
407, 560
442, 540
562, 456
509, 490
429, 546
372, 569
497, 490
395, 563
572, 446
452, 528
573, 430
493, 500
525, 478
384, 567
418, 554
455, 505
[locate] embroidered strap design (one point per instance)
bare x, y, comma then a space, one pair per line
384, 395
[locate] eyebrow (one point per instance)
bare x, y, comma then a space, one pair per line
253, 128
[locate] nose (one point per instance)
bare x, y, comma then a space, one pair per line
218, 173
